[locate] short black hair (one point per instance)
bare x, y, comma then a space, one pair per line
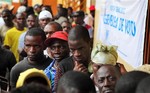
143, 86
129, 81
31, 88
79, 32
77, 80
7, 11
59, 28
36, 32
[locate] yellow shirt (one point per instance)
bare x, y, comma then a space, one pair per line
11, 40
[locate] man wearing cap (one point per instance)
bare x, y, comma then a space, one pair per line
78, 18
44, 18
90, 18
57, 44
37, 9
49, 29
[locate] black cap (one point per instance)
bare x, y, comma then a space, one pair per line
78, 13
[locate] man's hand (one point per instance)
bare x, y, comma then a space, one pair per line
80, 67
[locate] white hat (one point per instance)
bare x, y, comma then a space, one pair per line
45, 14
104, 54
21, 9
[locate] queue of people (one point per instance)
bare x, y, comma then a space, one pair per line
43, 53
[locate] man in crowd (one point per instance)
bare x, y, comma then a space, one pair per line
31, 22
57, 44
13, 34
75, 82
105, 77
78, 18
44, 18
80, 48
34, 46
7, 17
49, 29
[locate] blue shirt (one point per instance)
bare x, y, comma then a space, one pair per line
50, 72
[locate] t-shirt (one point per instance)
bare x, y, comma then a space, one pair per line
24, 65
3, 30
50, 72
21, 40
12, 39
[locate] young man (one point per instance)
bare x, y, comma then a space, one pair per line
13, 34
52, 27
49, 29
78, 18
34, 46
75, 82
80, 48
89, 19
31, 22
57, 44
44, 18
66, 26
7, 17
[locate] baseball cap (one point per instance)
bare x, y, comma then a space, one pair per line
45, 14
36, 6
30, 73
78, 13
92, 7
56, 35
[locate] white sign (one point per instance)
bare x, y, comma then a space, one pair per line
122, 23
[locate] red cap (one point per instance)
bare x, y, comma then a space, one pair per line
92, 7
57, 35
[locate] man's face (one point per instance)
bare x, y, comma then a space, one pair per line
49, 30
80, 51
34, 46
106, 78
43, 22
37, 9
77, 19
66, 26
20, 20
31, 21
7, 17
59, 49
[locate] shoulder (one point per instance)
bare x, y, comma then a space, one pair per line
66, 61
48, 59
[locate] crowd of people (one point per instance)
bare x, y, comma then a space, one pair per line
45, 53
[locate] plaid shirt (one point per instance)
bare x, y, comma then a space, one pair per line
50, 72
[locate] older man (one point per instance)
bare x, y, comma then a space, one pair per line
105, 78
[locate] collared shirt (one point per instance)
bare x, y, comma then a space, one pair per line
50, 72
